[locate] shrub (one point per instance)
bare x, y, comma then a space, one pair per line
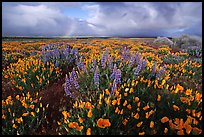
186, 41
163, 40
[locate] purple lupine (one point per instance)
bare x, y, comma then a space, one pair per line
57, 63
103, 60
138, 69
80, 64
110, 63
71, 79
67, 87
118, 76
73, 74
161, 72
68, 92
132, 60
125, 54
76, 84
144, 63
96, 76
68, 83
114, 87
138, 58
94, 63
154, 67
112, 76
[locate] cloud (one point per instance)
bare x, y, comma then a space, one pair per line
147, 19
104, 19
34, 20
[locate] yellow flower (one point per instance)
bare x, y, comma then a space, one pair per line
103, 123
88, 132
25, 114
19, 120
131, 90
158, 98
24, 80
164, 119
17, 97
179, 87
151, 124
21, 88
32, 113
14, 126
126, 89
3, 117
90, 113
163, 82
107, 91
32, 106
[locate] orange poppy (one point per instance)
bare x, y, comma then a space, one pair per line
146, 107
129, 107
88, 132
103, 123
114, 102
137, 116
151, 124
90, 113
180, 132
125, 121
164, 119
88, 105
137, 99
188, 91
80, 119
165, 130
139, 124
73, 125
125, 103
141, 133
176, 108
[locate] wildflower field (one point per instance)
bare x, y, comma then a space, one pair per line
100, 87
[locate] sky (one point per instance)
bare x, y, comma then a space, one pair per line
112, 19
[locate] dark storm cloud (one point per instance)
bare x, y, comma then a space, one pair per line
105, 19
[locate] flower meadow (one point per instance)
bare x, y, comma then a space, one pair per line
114, 87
